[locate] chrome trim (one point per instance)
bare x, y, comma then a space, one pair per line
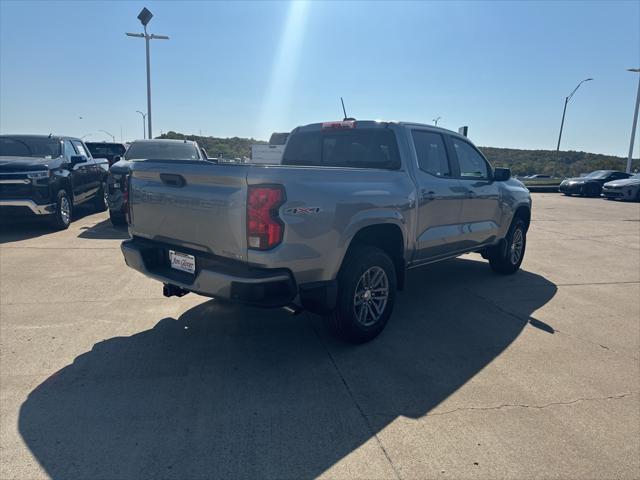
23, 173
22, 181
33, 206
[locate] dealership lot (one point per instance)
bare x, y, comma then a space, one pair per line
476, 375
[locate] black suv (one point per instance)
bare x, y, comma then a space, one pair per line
106, 150
46, 175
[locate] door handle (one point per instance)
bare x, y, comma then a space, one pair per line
471, 194
430, 195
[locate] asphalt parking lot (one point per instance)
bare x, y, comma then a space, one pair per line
476, 375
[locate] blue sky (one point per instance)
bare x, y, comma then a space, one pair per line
247, 69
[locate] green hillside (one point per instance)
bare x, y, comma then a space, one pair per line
521, 162
234, 147
550, 162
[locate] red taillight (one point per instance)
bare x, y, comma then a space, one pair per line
264, 227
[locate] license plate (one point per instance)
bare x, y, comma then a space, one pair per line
182, 261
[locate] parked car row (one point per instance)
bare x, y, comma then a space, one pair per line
48, 176
610, 184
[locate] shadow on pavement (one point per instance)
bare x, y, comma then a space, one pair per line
234, 392
14, 229
104, 230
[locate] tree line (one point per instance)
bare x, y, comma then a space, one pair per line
521, 162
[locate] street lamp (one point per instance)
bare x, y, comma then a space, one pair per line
635, 120
145, 17
144, 131
566, 100
435, 121
113, 139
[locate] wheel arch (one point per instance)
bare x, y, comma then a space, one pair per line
389, 238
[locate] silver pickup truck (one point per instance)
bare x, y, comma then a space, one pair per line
334, 228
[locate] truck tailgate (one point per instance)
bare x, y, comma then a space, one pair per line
194, 204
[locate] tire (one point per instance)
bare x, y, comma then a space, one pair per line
361, 322
590, 190
100, 202
61, 219
508, 258
117, 219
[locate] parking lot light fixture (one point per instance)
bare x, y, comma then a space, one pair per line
566, 101
635, 120
113, 139
144, 128
145, 17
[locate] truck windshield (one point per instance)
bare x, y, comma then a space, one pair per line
19, 146
357, 148
162, 151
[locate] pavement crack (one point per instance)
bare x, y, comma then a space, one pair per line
517, 405
364, 416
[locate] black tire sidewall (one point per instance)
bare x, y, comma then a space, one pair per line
117, 219
57, 220
501, 263
99, 202
360, 260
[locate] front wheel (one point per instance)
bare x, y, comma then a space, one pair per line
366, 294
61, 219
507, 258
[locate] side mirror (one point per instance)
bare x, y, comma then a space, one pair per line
117, 158
76, 159
502, 174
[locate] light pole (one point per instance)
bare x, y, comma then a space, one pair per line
435, 121
145, 17
566, 100
635, 120
113, 139
144, 131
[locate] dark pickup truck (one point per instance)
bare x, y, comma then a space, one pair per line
48, 176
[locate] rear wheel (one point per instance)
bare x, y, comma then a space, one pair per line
366, 294
100, 202
117, 219
591, 190
507, 258
61, 219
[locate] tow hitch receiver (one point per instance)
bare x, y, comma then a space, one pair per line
169, 290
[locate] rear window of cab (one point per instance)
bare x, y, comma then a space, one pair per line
353, 147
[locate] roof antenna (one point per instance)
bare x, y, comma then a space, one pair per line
344, 110
50, 135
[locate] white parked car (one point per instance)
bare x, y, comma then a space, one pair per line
625, 189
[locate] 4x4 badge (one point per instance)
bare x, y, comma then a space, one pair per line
302, 210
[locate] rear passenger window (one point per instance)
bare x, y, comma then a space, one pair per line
80, 148
356, 148
471, 163
431, 152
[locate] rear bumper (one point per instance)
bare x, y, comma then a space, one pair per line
214, 277
35, 208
